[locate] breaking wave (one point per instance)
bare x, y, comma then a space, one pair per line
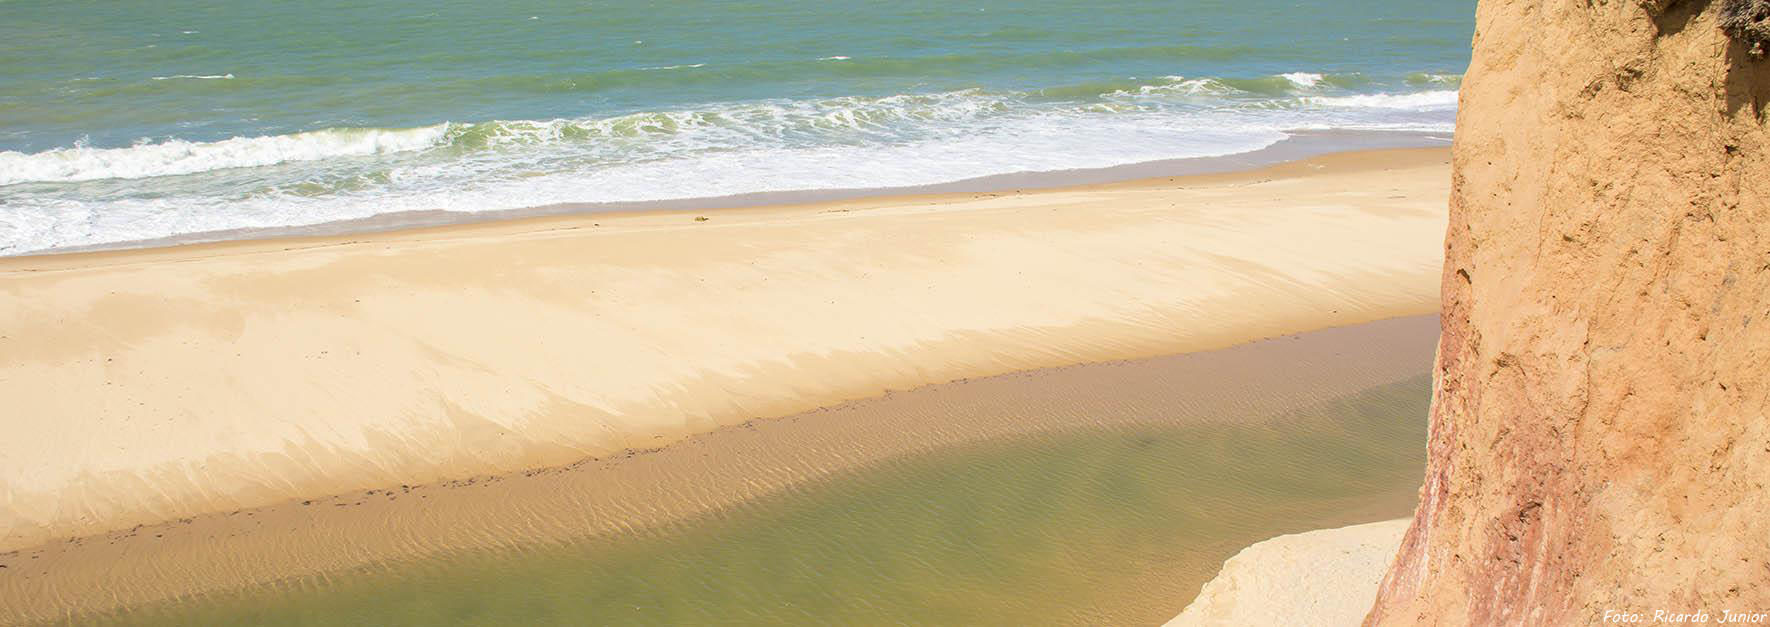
83, 194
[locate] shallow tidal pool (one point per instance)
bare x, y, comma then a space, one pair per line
1117, 526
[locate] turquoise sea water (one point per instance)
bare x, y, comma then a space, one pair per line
132, 119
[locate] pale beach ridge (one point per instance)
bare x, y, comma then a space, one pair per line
1324, 578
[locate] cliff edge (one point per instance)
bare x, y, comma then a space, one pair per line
1599, 436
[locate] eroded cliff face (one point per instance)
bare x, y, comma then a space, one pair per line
1599, 432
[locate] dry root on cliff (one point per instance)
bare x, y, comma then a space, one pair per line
1747, 21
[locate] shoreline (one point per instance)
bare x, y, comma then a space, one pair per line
1298, 145
639, 491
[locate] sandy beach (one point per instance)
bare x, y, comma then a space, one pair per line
191, 382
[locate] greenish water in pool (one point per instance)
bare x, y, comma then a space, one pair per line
1090, 527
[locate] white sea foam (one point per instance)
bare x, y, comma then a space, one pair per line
80, 163
835, 58
209, 77
1425, 101
1180, 85
1031, 144
1303, 79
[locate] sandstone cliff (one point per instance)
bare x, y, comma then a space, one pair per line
1599, 438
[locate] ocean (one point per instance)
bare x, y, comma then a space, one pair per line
131, 120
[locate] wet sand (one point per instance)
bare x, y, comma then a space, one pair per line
150, 385
705, 474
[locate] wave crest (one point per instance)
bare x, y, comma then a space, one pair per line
1422, 101
849, 120
174, 157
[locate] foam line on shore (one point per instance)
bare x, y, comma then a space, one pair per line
1297, 144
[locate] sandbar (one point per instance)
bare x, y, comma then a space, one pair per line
168, 384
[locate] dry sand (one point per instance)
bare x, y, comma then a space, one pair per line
1324, 578
152, 385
